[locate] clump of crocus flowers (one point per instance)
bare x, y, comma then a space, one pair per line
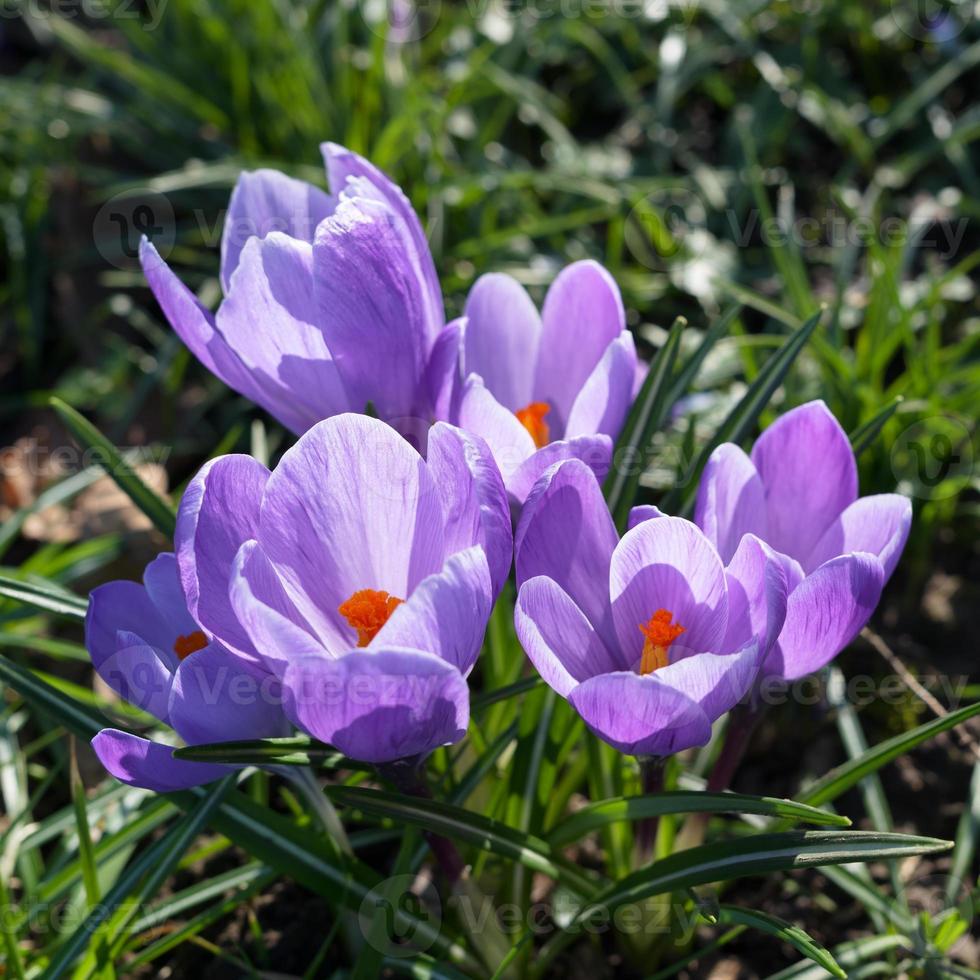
351, 586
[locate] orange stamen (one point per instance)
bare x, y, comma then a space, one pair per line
184, 646
532, 418
367, 610
659, 633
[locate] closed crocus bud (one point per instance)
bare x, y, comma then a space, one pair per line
650, 638
544, 387
331, 300
798, 492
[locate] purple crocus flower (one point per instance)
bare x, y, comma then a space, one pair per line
799, 492
147, 647
650, 638
361, 574
540, 388
331, 300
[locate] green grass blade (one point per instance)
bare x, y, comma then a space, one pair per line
866, 433
47, 597
783, 930
689, 370
112, 461
604, 812
299, 750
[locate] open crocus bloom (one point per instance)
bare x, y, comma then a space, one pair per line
149, 649
798, 492
363, 576
650, 638
541, 388
331, 300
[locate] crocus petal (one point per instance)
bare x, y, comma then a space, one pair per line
594, 451
137, 674
824, 613
162, 583
561, 642
641, 513
447, 613
758, 588
582, 315
270, 320
150, 765
668, 564
196, 328
219, 510
443, 379
274, 625
731, 500
640, 715
878, 525
218, 697
123, 606
475, 506
481, 413
716, 682
566, 533
351, 506
267, 201
371, 308
381, 704
606, 396
500, 342
345, 167
808, 470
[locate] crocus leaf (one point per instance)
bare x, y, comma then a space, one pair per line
743, 416
781, 929
846, 775
849, 955
114, 463
47, 597
866, 433
689, 369
645, 417
296, 750
604, 812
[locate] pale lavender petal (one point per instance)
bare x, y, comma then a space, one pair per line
273, 624
824, 613
219, 510
345, 167
731, 500
716, 682
447, 613
668, 564
476, 509
566, 533
150, 765
641, 513
501, 337
379, 705
218, 697
606, 396
595, 451
162, 583
582, 315
137, 674
443, 378
351, 506
481, 414
808, 470
123, 607
270, 319
758, 588
640, 715
371, 309
266, 201
878, 525
560, 641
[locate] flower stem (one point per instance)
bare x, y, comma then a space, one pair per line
303, 778
652, 775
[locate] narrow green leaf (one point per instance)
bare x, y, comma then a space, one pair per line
849, 955
689, 370
297, 750
47, 597
744, 415
86, 859
781, 929
116, 466
631, 808
866, 433
632, 450
841, 779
